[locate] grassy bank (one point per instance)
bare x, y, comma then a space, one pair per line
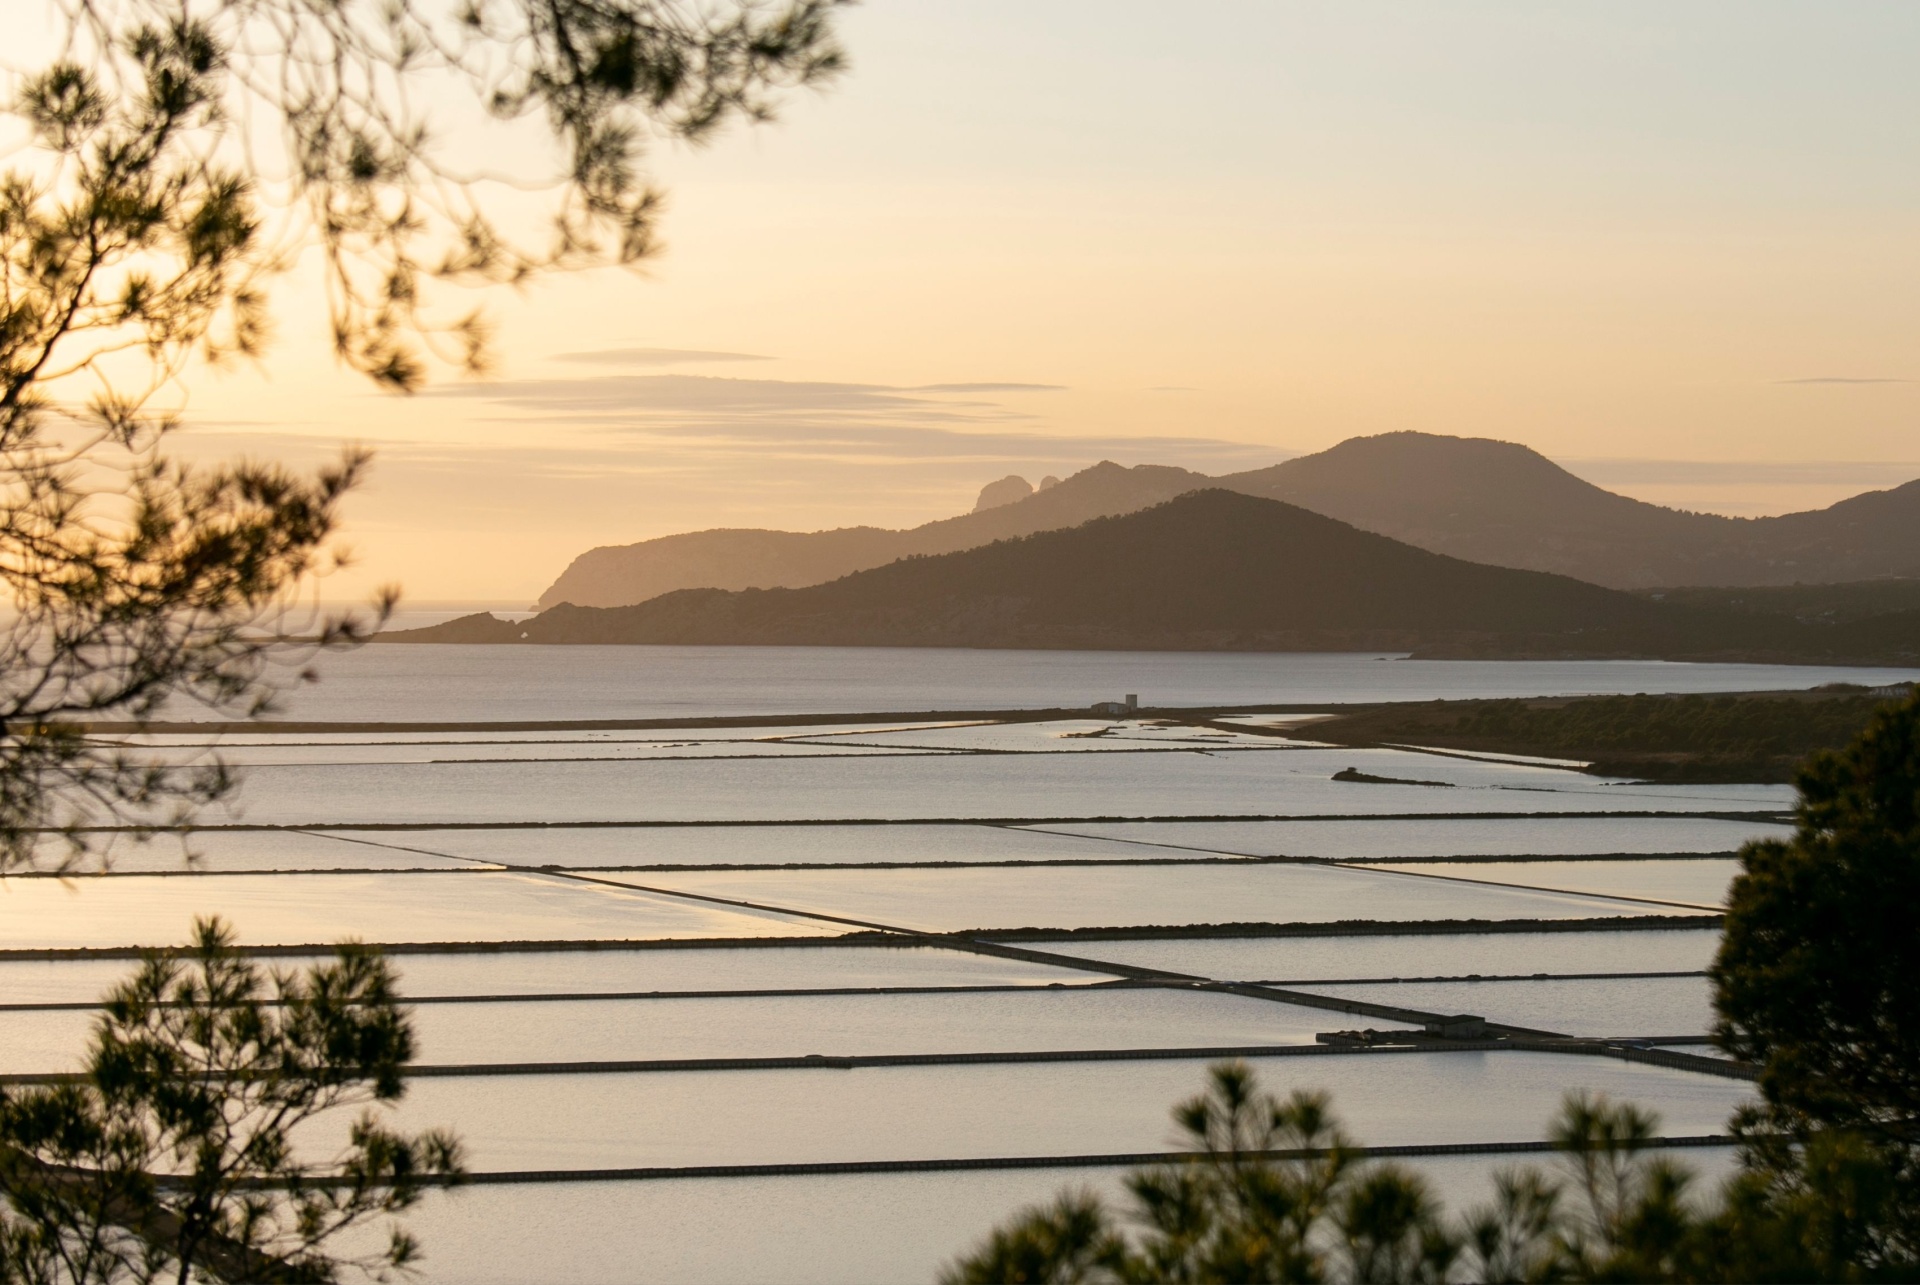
1757, 738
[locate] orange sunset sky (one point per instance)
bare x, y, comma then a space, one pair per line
1674, 247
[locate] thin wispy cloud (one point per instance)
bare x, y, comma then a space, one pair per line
655, 357
672, 420
987, 388
857, 443
857, 473
651, 397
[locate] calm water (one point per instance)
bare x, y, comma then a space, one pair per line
413, 683
575, 972
420, 874
821, 1230
1056, 1108
589, 847
1651, 1006
918, 786
1700, 883
1082, 1017
947, 900
1306, 959
1461, 836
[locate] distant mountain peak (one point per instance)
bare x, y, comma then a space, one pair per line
1010, 489
1210, 570
619, 575
1477, 498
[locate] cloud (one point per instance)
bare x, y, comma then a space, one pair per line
987, 388
501, 518
882, 443
1843, 379
706, 421
744, 476
654, 356
720, 394
641, 399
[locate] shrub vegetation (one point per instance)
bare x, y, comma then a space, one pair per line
1663, 738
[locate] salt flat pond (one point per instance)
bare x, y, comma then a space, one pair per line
643, 952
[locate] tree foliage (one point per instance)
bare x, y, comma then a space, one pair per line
131, 579
1234, 1212
179, 156
174, 157
1274, 1192
1815, 981
191, 1145
333, 117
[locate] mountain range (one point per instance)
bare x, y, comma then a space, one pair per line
1472, 498
1505, 504
1211, 569
732, 558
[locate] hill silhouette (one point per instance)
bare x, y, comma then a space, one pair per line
1832, 604
1210, 570
617, 575
1502, 503
1473, 498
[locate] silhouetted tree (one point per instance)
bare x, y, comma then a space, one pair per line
181, 154
176, 157
175, 1155
1814, 981
1275, 1193
1235, 1211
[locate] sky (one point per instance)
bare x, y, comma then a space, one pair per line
1673, 247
